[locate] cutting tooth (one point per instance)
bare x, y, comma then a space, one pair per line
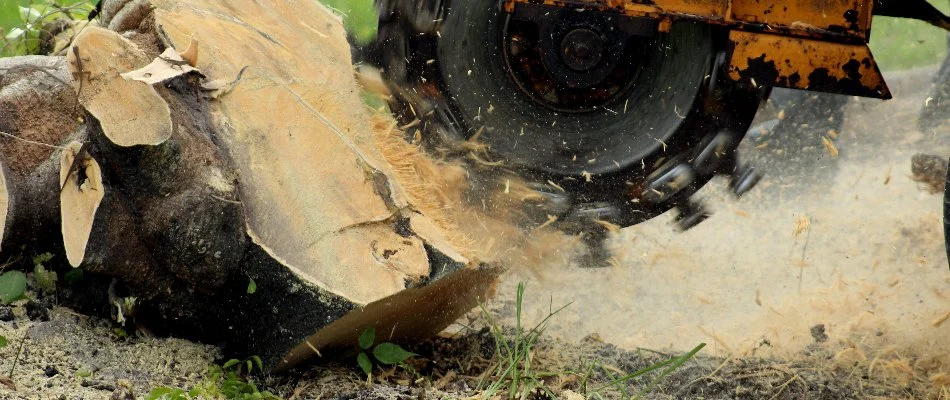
744, 179
691, 213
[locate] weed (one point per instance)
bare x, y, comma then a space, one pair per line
384, 353
72, 276
513, 368
227, 382
16, 359
44, 278
3, 341
120, 334
12, 286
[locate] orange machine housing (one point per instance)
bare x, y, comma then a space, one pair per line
818, 45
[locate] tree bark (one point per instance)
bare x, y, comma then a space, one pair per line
38, 114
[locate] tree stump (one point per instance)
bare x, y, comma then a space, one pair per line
214, 161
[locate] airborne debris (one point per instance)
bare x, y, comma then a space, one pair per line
818, 333
830, 146
802, 224
610, 227
939, 321
930, 171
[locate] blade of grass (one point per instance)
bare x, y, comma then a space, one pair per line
640, 372
673, 367
617, 383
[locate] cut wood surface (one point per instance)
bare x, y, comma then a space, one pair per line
81, 194
313, 180
129, 113
241, 197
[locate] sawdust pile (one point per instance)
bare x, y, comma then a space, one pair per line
482, 213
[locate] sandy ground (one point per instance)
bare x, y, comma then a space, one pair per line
71, 356
870, 266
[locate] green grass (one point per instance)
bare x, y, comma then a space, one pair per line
902, 43
231, 381
513, 373
359, 16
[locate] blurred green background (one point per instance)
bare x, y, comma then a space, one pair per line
10, 13
897, 43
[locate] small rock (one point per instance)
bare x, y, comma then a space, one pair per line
5, 381
50, 371
37, 310
97, 385
818, 332
571, 395
6, 314
122, 393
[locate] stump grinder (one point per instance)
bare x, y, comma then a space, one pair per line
618, 110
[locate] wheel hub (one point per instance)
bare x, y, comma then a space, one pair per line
569, 61
582, 49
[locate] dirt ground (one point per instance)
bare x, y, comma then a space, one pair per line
77, 357
835, 290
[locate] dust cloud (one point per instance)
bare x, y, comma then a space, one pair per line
852, 244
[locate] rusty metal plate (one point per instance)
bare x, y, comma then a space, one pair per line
799, 63
706, 9
712, 9
845, 16
834, 20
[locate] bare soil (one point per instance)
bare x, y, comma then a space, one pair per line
78, 357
